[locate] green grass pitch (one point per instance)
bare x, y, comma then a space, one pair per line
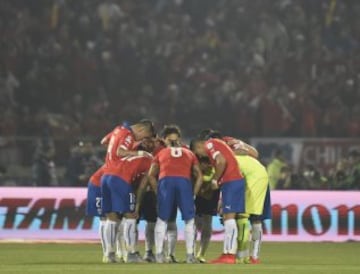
290, 258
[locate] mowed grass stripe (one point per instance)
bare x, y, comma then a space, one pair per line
86, 258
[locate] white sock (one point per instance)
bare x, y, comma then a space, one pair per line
171, 237
231, 233
189, 236
205, 234
130, 234
120, 241
149, 236
102, 235
256, 238
110, 234
160, 231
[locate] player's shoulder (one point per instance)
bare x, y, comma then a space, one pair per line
186, 149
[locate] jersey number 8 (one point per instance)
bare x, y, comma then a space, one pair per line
176, 152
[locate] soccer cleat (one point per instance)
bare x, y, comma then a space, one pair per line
149, 256
190, 259
134, 258
120, 259
171, 259
110, 259
254, 260
225, 259
245, 260
160, 258
201, 259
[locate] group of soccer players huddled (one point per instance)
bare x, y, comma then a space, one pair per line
148, 176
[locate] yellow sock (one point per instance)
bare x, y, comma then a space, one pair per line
243, 237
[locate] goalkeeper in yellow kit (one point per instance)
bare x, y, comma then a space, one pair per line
258, 208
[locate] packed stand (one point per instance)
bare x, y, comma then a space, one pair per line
247, 68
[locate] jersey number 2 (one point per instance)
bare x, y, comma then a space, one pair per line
176, 152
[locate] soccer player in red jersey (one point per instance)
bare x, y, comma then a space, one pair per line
120, 144
174, 167
148, 209
119, 199
232, 187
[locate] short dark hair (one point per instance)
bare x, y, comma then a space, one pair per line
170, 129
204, 133
148, 125
210, 133
215, 134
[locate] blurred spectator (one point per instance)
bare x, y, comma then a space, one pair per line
312, 179
44, 171
83, 162
347, 174
276, 169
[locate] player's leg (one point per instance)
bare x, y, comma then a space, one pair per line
257, 229
130, 235
102, 223
165, 204
233, 201
149, 214
93, 208
121, 202
185, 202
109, 231
256, 238
130, 226
206, 232
171, 234
121, 252
243, 238
198, 229
205, 209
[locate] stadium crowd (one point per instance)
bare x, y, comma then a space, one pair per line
247, 68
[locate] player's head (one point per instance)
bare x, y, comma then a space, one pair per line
204, 133
147, 144
210, 133
143, 129
205, 163
215, 135
171, 134
197, 145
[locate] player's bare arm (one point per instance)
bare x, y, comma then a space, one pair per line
152, 175
106, 139
242, 148
220, 165
198, 178
140, 193
121, 152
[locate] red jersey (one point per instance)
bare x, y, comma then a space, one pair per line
214, 147
95, 179
121, 137
130, 168
175, 162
